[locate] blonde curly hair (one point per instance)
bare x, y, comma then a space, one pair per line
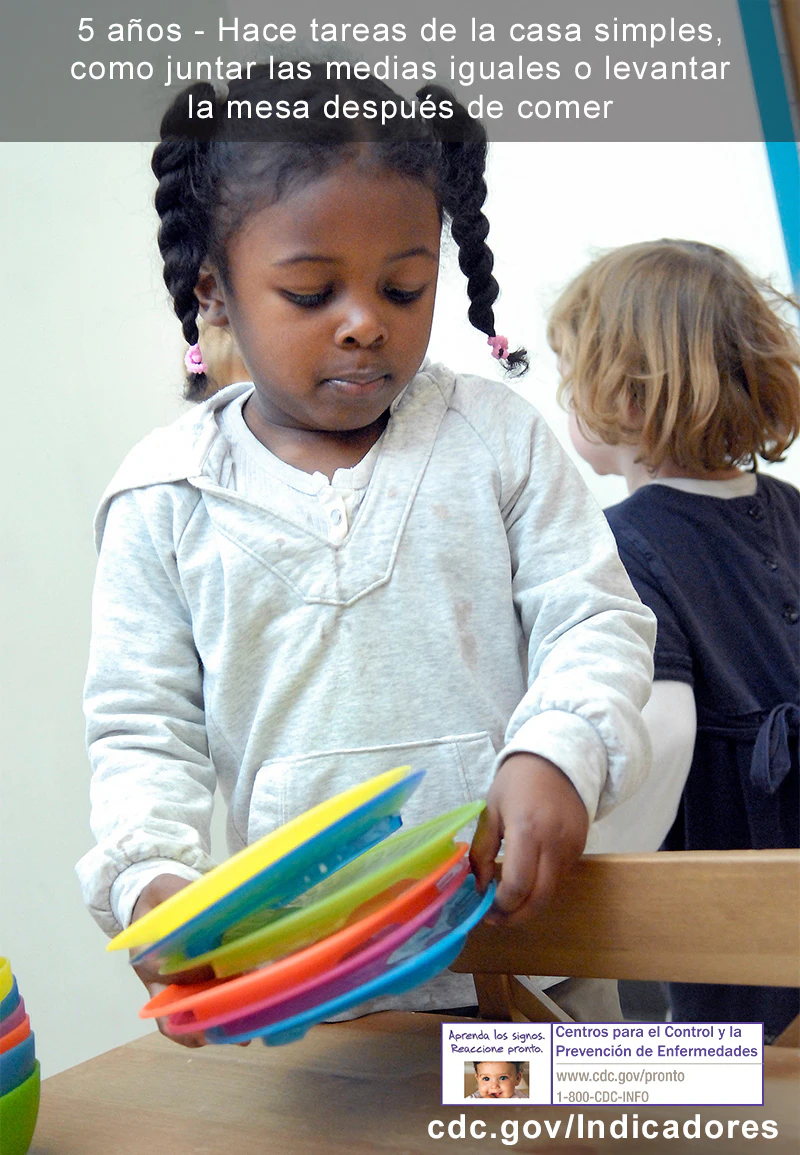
674, 347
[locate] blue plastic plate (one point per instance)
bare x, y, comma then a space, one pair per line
282, 881
417, 960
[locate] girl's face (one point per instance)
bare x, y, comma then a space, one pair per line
604, 459
329, 296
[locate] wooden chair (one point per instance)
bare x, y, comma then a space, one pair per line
729, 916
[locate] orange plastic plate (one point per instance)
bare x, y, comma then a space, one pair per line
211, 999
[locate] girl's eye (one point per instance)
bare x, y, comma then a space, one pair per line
403, 296
308, 300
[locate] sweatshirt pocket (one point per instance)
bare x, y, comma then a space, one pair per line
459, 769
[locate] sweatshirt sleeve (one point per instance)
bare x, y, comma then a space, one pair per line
589, 638
152, 780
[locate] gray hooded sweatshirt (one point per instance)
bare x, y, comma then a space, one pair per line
476, 607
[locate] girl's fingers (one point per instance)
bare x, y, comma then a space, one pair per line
521, 855
485, 845
550, 864
549, 870
196, 1039
193, 1041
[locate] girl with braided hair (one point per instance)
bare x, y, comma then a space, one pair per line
356, 559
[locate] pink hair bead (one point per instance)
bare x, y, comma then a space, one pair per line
194, 360
499, 347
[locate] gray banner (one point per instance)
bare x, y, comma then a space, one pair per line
623, 70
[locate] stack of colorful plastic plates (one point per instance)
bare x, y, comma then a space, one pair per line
331, 904
332, 909
212, 1003
401, 964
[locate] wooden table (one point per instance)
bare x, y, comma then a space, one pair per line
372, 1085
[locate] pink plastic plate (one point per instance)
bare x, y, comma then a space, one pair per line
365, 964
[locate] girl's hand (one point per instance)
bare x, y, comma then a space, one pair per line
536, 809
161, 888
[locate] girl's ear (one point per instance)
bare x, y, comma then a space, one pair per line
211, 297
635, 409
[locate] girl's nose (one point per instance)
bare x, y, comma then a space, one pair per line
361, 327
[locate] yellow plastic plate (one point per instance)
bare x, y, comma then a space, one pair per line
327, 907
188, 903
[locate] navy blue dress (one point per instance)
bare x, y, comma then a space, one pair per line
722, 576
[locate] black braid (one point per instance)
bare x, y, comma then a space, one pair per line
464, 147
184, 233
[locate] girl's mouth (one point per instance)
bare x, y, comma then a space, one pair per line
358, 384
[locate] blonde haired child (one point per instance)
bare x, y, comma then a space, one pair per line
678, 375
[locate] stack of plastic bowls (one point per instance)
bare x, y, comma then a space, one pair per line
327, 912
19, 1069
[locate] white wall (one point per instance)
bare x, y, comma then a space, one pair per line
93, 362
90, 349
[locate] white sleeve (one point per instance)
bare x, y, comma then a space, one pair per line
642, 822
589, 637
152, 780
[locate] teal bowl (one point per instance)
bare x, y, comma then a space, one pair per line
18, 1112
17, 1064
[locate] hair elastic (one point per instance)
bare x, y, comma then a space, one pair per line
499, 347
194, 360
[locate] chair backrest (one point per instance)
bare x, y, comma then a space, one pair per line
729, 916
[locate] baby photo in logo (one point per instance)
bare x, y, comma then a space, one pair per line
496, 1079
